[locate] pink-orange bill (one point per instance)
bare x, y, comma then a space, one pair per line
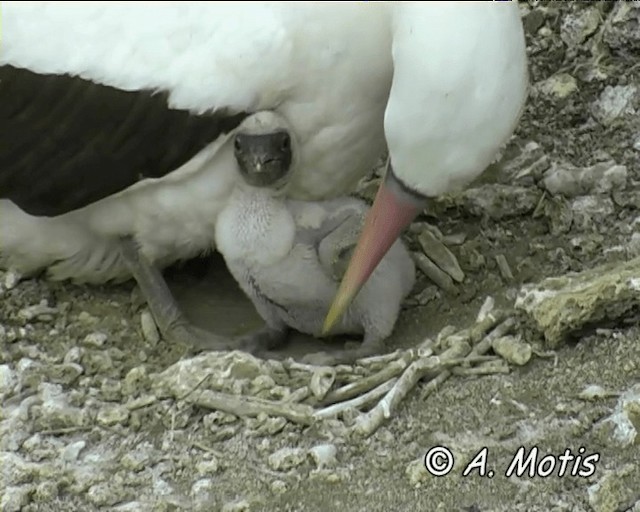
393, 209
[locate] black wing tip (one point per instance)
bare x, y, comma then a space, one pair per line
99, 142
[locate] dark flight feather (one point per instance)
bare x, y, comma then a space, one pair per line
66, 142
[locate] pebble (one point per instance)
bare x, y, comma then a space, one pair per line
129, 506
286, 458
593, 392
71, 452
417, 473
46, 492
559, 215
321, 381
278, 487
203, 489
111, 390
55, 412
440, 254
512, 350
41, 311
533, 21
97, 362
14, 429
149, 328
324, 455
261, 384
570, 181
137, 459
500, 201
562, 305
105, 494
590, 210
528, 166
95, 339
622, 32
503, 267
559, 86
626, 417
633, 246
577, 27
112, 415
15, 498
486, 309
237, 506
161, 487
208, 467
136, 380
454, 239
433, 272
15, 470
86, 318
8, 380
65, 373
215, 419
614, 102
428, 294
11, 279
615, 490
74, 355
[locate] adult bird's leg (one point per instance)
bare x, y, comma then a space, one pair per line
170, 320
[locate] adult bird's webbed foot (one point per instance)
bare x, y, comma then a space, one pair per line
170, 320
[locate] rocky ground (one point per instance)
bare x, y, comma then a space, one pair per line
99, 414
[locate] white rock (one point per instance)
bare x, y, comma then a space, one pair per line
324, 455
614, 102
11, 279
286, 458
8, 380
149, 328
95, 339
72, 451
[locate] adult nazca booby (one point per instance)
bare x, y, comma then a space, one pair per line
460, 82
117, 119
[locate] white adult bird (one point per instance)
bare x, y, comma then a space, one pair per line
460, 82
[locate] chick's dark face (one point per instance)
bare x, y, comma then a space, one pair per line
264, 160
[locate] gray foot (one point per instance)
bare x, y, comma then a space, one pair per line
171, 322
261, 341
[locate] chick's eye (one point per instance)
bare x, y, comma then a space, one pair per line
236, 144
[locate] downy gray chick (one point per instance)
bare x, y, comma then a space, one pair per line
289, 256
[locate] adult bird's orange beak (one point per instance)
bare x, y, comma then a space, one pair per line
393, 209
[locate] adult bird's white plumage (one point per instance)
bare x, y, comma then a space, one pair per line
454, 75
325, 67
460, 82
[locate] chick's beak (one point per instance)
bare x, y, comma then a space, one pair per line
394, 208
